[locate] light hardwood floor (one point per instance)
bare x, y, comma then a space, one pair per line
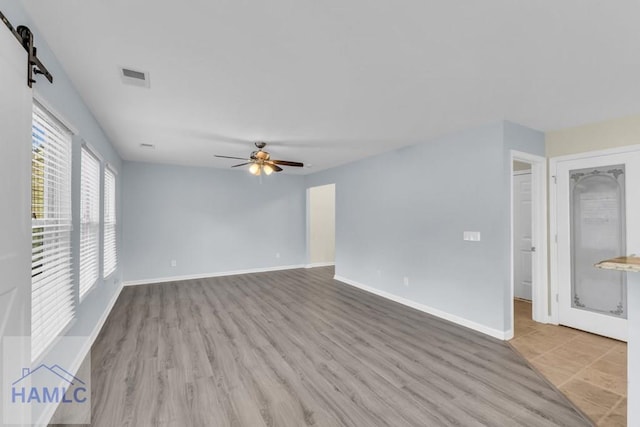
591, 370
295, 348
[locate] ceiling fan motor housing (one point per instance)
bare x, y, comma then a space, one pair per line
262, 155
262, 160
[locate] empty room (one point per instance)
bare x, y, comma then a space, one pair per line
339, 213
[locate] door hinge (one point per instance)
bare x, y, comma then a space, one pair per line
533, 248
555, 237
555, 179
557, 298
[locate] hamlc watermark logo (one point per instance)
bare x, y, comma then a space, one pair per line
72, 390
56, 389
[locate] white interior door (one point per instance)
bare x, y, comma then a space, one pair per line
15, 195
598, 217
522, 243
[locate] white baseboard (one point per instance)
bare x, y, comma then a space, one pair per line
96, 331
207, 275
46, 416
319, 264
103, 318
495, 333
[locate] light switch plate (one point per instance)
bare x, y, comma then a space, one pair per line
471, 236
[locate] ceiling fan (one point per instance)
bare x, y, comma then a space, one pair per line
261, 161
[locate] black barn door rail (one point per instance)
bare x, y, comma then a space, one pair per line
25, 37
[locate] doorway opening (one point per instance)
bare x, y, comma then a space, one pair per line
321, 226
522, 231
529, 288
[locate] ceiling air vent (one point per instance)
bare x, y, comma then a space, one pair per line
147, 146
134, 77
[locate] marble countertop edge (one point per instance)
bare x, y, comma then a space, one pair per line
624, 263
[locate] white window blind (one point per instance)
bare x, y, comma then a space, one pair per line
52, 298
110, 244
89, 220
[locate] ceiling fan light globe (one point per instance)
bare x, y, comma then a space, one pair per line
254, 169
268, 169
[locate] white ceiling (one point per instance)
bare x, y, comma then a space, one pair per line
327, 82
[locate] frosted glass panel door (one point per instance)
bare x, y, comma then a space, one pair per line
598, 233
597, 209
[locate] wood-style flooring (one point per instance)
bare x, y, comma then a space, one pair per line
296, 348
591, 370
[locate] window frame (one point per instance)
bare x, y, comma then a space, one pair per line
53, 304
110, 219
88, 154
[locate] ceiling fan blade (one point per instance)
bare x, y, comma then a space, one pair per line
275, 167
229, 157
287, 163
241, 164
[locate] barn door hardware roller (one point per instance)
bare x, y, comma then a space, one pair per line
25, 38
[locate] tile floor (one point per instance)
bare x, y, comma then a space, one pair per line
591, 370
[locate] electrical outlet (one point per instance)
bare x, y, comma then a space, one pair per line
174, 263
406, 281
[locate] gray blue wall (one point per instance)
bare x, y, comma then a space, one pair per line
527, 140
399, 214
403, 213
62, 97
209, 220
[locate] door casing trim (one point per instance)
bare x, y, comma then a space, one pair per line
539, 274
